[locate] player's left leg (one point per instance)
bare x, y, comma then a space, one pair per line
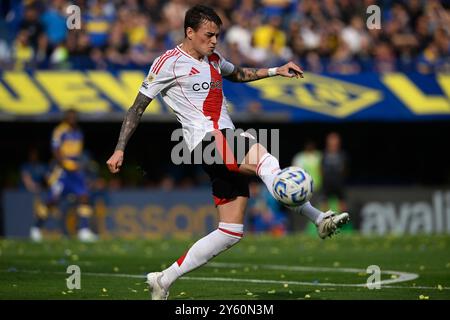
42, 209
228, 233
77, 185
258, 161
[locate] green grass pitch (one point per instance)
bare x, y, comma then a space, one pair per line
259, 267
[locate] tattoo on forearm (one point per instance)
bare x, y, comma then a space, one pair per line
244, 75
132, 119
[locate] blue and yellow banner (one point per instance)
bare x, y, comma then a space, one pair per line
362, 97
126, 214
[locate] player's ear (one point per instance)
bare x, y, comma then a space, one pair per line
189, 33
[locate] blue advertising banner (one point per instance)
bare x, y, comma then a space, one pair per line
125, 214
157, 214
102, 95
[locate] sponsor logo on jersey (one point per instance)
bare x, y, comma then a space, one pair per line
207, 85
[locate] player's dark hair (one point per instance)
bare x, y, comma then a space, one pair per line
70, 110
198, 14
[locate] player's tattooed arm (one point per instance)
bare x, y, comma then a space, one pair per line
241, 74
132, 119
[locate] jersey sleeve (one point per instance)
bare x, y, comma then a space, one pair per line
159, 77
226, 67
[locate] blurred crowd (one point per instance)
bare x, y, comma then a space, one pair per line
323, 36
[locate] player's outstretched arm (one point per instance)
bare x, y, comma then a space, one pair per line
129, 125
241, 74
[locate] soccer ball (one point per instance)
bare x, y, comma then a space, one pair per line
293, 186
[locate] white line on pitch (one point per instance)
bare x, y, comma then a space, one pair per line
402, 276
261, 281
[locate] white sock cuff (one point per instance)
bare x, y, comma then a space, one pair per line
263, 158
267, 161
235, 230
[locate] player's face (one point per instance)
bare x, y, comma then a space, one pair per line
205, 39
71, 119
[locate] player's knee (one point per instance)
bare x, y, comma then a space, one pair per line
256, 152
41, 210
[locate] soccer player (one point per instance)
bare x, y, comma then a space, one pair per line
189, 78
67, 175
334, 169
33, 175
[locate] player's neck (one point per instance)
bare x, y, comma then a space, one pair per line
186, 47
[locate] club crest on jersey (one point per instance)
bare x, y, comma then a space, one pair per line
148, 80
150, 77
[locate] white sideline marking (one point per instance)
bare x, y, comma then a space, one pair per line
402, 276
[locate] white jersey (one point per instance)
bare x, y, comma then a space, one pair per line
193, 90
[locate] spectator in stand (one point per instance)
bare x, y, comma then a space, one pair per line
23, 52
36, 33
97, 23
174, 12
342, 61
54, 22
130, 33
271, 38
384, 59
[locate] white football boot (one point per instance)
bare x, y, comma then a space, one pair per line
86, 235
35, 234
331, 223
157, 290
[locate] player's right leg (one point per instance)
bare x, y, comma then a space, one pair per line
261, 163
229, 232
230, 191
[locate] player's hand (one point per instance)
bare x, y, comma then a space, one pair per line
290, 70
115, 161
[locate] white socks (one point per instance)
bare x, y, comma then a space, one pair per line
204, 250
312, 213
267, 169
